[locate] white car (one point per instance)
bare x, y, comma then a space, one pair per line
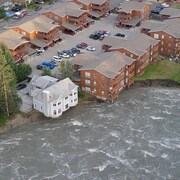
107, 33
165, 5
40, 50
90, 48
64, 55
57, 58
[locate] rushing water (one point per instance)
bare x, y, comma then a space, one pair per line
136, 137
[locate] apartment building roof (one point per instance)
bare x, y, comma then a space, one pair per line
129, 6
137, 44
61, 89
108, 64
67, 9
12, 39
172, 12
170, 26
87, 2
40, 23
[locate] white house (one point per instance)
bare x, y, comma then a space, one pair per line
57, 98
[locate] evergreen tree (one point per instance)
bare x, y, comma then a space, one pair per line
66, 69
8, 94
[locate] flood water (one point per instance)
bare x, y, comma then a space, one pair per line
137, 137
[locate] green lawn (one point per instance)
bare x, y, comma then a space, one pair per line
162, 70
3, 119
84, 97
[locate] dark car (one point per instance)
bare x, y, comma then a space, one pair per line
66, 31
38, 8
91, 36
96, 36
101, 37
120, 35
17, 8
80, 46
21, 86
40, 66
75, 50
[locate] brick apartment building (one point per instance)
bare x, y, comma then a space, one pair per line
140, 47
167, 32
39, 31
96, 8
131, 13
69, 15
17, 46
21, 2
170, 13
106, 75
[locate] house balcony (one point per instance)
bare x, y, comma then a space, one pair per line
116, 80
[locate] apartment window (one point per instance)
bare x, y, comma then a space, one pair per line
88, 89
170, 37
54, 104
66, 98
94, 75
162, 36
75, 93
94, 90
54, 112
161, 49
59, 111
75, 99
162, 42
66, 106
34, 105
87, 81
102, 85
156, 36
95, 83
131, 55
23, 33
41, 107
59, 103
102, 92
87, 74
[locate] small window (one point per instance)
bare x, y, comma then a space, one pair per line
94, 75
87, 81
94, 82
156, 36
75, 93
87, 74
88, 89
102, 92
54, 112
59, 111
59, 103
75, 99
54, 104
67, 106
34, 105
66, 98
162, 36
94, 90
170, 37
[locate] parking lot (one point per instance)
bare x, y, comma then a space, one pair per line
69, 41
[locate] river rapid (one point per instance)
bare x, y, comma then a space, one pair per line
137, 137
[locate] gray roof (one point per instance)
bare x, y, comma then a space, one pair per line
137, 44
108, 64
62, 88
172, 12
71, 26
129, 6
133, 21
95, 14
170, 26
87, 2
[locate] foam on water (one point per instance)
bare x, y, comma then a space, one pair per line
76, 123
156, 118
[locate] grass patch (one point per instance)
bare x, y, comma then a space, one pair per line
162, 70
3, 120
31, 6
84, 97
175, 5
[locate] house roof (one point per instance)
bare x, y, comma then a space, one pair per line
87, 2
170, 26
108, 64
95, 14
67, 9
133, 21
60, 89
40, 23
12, 39
172, 12
129, 6
70, 26
137, 43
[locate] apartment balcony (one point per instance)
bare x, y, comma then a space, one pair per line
117, 80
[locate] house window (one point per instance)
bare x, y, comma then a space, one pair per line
88, 89
95, 83
102, 85
87, 74
59, 111
59, 103
87, 81
156, 36
75, 93
94, 90
66, 106
54, 104
66, 98
162, 42
161, 49
131, 55
94, 75
75, 99
170, 37
162, 36
41, 107
102, 92
34, 105
54, 112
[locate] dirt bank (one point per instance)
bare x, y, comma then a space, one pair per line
155, 83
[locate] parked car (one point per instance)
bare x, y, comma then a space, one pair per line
80, 46
107, 33
54, 63
56, 58
38, 8
49, 65
84, 44
101, 37
21, 86
65, 55
165, 5
86, 26
91, 36
90, 48
40, 66
16, 8
40, 50
120, 35
66, 31
75, 50
39, 2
